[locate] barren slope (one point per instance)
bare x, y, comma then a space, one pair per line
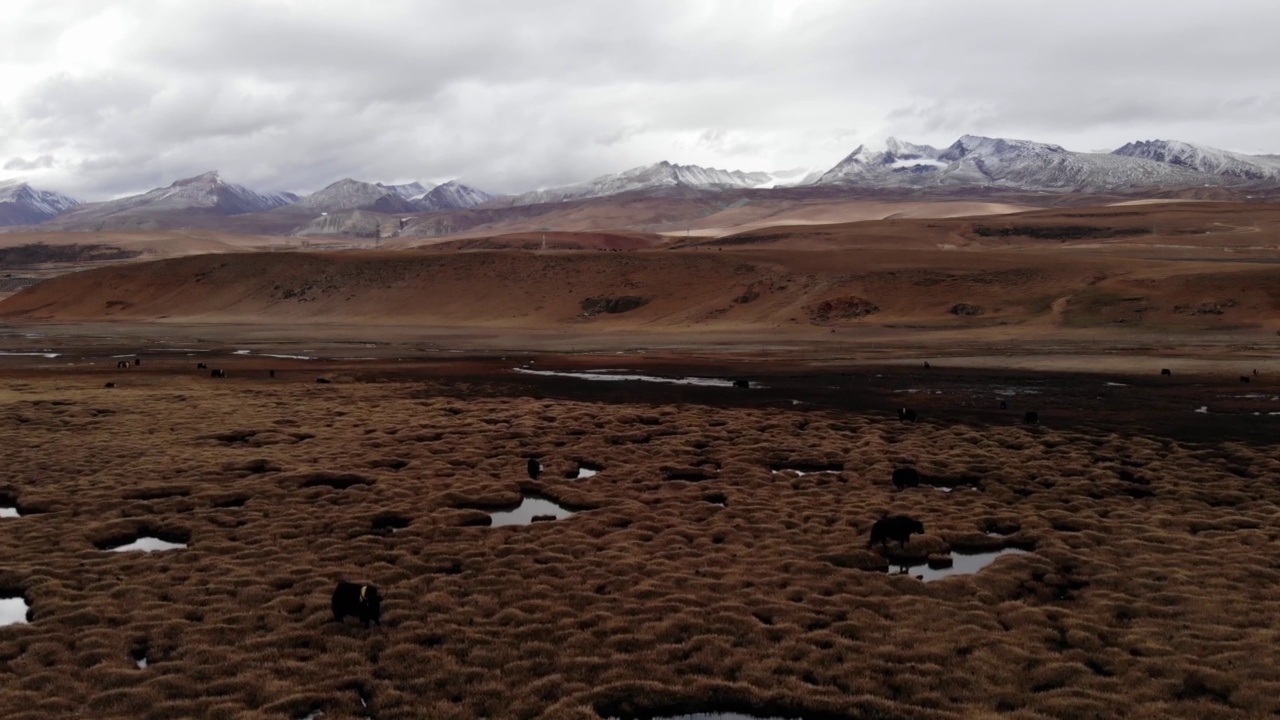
1000, 292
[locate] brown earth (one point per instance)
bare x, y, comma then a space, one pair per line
1149, 504
1150, 590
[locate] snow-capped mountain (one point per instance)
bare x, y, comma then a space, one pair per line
348, 194
1205, 159
408, 191
21, 204
658, 175
866, 165
207, 193
452, 195
1004, 163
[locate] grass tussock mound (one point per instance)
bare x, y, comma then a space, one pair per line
720, 565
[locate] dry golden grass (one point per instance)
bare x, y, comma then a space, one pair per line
1151, 591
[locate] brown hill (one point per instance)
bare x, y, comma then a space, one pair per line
992, 294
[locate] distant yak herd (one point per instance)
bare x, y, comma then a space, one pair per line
364, 600
213, 373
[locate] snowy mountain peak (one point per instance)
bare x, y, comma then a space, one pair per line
207, 193
1204, 159
978, 161
210, 178
661, 174
894, 156
977, 145
406, 191
452, 195
21, 204
351, 194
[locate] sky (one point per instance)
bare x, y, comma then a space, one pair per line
104, 98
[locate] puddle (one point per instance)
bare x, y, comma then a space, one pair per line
285, 357
29, 354
1115, 384
619, 376
962, 564
530, 506
1203, 409
586, 472
13, 611
802, 473
9, 512
148, 544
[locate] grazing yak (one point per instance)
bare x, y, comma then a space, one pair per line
926, 365
271, 373
361, 601
122, 364
216, 373
898, 528
741, 383
111, 385
906, 477
1165, 371
323, 381
1244, 378
1004, 405
1031, 417
535, 468
906, 415
202, 366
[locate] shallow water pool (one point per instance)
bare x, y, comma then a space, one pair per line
148, 544
530, 506
962, 564
13, 611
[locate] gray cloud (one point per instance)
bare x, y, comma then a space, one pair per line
43, 162
292, 95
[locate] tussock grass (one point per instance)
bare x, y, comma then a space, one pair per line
652, 598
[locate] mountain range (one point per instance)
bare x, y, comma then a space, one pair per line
21, 204
971, 163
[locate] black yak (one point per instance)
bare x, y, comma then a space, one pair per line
362, 601
926, 365
1031, 417
111, 385
1165, 371
1244, 378
906, 477
137, 361
323, 381
906, 415
1004, 405
202, 366
898, 528
217, 373
122, 364
741, 384
271, 373
535, 468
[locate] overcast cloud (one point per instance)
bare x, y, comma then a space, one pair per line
100, 98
